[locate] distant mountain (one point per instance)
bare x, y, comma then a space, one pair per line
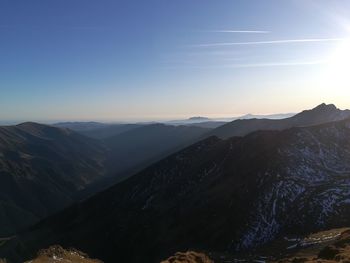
81, 126
200, 119
202, 122
208, 124
205, 122
110, 130
217, 121
192, 120
41, 169
216, 195
98, 130
321, 114
269, 116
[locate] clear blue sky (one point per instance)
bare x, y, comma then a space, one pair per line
157, 59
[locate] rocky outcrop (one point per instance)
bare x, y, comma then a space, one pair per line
188, 257
58, 254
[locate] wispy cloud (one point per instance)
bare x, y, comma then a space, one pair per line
271, 42
65, 27
277, 64
253, 65
241, 31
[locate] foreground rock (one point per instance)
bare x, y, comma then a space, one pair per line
337, 250
188, 257
58, 254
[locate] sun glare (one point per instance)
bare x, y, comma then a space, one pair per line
334, 78
339, 65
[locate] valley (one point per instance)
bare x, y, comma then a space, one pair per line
206, 196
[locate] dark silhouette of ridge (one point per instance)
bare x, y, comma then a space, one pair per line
321, 114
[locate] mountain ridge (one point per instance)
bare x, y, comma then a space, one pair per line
41, 167
209, 197
323, 113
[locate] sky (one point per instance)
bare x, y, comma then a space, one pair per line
124, 60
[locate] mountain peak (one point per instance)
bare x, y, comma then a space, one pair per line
39, 129
30, 124
325, 106
321, 111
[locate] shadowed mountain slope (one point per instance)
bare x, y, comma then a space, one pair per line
216, 195
81, 126
132, 147
110, 130
136, 149
97, 130
41, 169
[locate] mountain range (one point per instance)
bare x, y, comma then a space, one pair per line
230, 189
223, 195
224, 128
99, 130
44, 168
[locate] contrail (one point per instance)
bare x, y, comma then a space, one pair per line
242, 31
283, 41
276, 64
